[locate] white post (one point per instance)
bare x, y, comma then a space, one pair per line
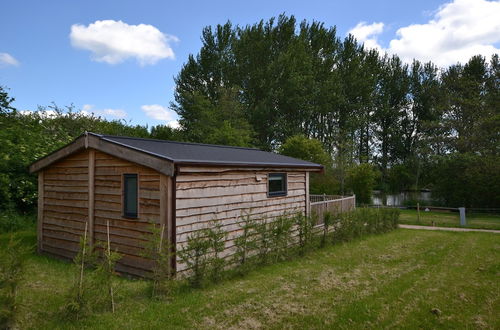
463, 220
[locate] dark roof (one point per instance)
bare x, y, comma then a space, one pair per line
207, 154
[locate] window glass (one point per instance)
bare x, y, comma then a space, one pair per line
130, 195
277, 184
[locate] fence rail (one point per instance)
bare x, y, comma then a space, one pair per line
335, 204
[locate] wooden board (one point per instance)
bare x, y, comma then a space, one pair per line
204, 194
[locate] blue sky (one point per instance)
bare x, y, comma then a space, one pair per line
118, 58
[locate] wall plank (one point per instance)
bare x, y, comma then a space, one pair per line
224, 194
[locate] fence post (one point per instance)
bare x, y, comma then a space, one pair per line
418, 212
463, 220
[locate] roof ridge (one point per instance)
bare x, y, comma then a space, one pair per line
176, 142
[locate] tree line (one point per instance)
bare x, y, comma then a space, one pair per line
299, 89
261, 84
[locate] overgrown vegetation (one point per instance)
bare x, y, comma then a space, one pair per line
379, 280
265, 241
13, 258
93, 282
159, 251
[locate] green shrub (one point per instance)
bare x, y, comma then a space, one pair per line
263, 241
281, 237
79, 299
304, 227
159, 251
245, 243
195, 256
11, 221
364, 221
361, 179
217, 243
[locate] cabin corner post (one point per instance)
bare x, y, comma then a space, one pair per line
39, 225
166, 208
91, 202
308, 202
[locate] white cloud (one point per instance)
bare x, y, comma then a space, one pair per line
160, 112
89, 109
115, 41
457, 31
7, 60
367, 33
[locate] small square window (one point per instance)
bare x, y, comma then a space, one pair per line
277, 185
130, 195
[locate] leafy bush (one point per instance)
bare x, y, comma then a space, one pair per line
361, 179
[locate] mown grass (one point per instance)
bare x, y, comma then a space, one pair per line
450, 219
403, 279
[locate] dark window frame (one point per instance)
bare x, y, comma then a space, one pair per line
278, 193
124, 195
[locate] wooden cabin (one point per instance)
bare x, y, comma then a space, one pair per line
132, 182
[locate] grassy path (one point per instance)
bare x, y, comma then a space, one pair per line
404, 279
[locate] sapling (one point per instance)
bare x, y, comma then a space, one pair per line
263, 239
159, 251
304, 226
12, 265
79, 298
216, 241
195, 256
327, 222
244, 243
105, 271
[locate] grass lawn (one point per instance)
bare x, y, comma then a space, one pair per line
393, 280
450, 219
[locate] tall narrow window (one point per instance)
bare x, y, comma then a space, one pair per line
277, 184
130, 195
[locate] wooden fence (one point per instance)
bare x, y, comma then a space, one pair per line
335, 204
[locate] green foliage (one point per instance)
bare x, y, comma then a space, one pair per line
245, 243
280, 237
12, 267
195, 256
28, 136
263, 229
219, 121
93, 285
304, 226
363, 221
159, 251
328, 221
361, 180
11, 221
201, 254
312, 150
79, 298
165, 132
217, 243
468, 180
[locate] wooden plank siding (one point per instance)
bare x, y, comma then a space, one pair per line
66, 207
127, 235
204, 194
